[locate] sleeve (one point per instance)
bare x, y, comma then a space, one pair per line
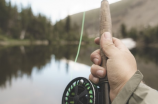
135, 92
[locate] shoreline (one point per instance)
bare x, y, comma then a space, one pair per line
23, 42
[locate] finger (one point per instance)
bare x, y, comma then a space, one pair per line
98, 71
95, 57
107, 45
97, 40
93, 79
119, 44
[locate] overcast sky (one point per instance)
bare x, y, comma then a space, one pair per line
59, 9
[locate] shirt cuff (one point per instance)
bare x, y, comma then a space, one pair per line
126, 92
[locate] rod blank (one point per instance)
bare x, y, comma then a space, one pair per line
105, 26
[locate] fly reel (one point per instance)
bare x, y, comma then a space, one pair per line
82, 91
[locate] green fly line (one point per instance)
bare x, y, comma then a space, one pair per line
79, 46
81, 36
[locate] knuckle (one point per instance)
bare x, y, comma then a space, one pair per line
106, 48
92, 55
109, 45
92, 67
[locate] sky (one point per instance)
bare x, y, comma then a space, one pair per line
59, 9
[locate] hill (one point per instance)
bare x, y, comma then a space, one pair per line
132, 13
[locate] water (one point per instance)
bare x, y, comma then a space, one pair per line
39, 74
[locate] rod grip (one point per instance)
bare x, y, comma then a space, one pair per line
105, 26
105, 18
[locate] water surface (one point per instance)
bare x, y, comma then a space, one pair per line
39, 74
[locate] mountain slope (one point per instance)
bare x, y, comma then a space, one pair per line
132, 13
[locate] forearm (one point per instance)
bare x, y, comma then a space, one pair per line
144, 95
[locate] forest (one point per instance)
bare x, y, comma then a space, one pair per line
148, 35
25, 25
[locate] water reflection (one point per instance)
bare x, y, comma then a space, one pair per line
147, 61
39, 74
147, 54
44, 86
17, 61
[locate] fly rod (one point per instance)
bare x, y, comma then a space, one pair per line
105, 26
81, 90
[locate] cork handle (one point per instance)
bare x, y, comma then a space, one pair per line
105, 18
105, 26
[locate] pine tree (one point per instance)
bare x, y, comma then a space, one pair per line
123, 30
68, 24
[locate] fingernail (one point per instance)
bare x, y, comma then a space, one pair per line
107, 36
96, 61
100, 73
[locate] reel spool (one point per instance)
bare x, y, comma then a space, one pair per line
81, 91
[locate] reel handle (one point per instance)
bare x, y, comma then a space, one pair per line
105, 26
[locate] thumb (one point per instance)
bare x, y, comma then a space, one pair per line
107, 44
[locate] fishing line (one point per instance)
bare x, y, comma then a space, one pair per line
81, 36
79, 46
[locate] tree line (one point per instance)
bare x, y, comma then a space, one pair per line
147, 35
23, 24
65, 30
26, 25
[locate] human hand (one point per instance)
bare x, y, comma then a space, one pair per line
121, 64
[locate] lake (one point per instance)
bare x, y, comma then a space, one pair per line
39, 74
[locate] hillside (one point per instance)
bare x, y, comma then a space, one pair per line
132, 13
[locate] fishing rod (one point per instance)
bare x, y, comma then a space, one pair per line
81, 90
105, 26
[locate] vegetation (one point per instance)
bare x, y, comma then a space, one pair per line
64, 31
148, 35
24, 25
18, 61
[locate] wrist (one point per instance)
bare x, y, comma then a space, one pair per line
116, 87
115, 91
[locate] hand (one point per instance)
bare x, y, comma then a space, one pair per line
121, 64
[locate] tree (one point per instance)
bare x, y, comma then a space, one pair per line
4, 15
123, 30
68, 24
133, 33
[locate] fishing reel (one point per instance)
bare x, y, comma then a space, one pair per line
82, 91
